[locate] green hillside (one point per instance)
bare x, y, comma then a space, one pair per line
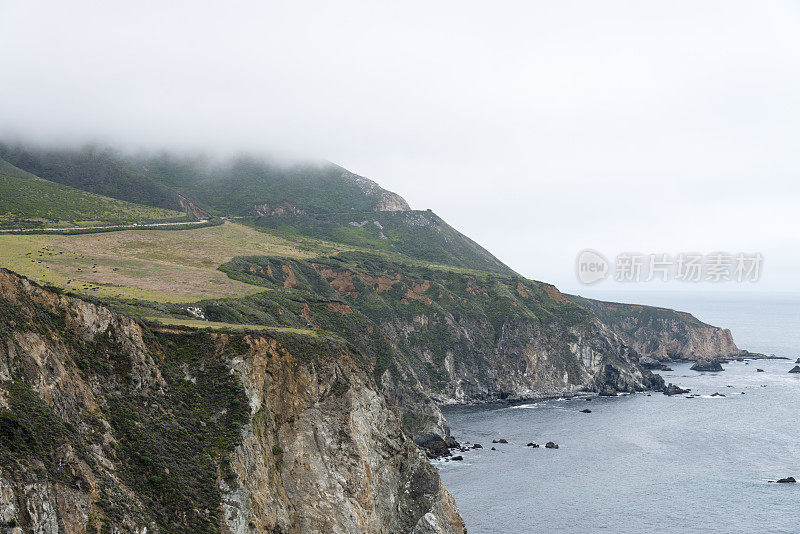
230, 187
27, 201
246, 185
97, 170
420, 235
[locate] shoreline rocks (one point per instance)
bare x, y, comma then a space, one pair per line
787, 480
436, 447
652, 364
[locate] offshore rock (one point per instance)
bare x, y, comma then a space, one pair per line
707, 365
672, 389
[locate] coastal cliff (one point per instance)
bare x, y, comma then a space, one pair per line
664, 334
443, 336
111, 425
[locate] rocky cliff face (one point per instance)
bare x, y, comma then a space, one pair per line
386, 200
107, 425
665, 334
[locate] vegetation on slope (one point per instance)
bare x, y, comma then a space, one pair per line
27, 201
92, 169
228, 187
157, 265
236, 186
420, 235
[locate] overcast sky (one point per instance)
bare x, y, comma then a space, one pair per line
536, 128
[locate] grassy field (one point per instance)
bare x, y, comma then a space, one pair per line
30, 202
215, 325
155, 265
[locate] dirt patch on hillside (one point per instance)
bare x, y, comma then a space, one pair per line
289, 279
521, 291
381, 284
341, 282
340, 307
555, 294
415, 292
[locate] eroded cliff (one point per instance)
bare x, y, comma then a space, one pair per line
108, 425
665, 334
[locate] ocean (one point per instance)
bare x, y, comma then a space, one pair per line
649, 463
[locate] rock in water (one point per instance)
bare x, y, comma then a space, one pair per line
795, 369
457, 458
586, 410
550, 445
759, 370
708, 365
501, 440
672, 389
787, 480
534, 445
797, 360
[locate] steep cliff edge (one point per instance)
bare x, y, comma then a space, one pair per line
108, 425
665, 334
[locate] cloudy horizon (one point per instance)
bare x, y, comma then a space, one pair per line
536, 129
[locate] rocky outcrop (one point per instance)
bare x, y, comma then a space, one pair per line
341, 462
109, 424
663, 334
795, 369
386, 200
707, 365
672, 389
